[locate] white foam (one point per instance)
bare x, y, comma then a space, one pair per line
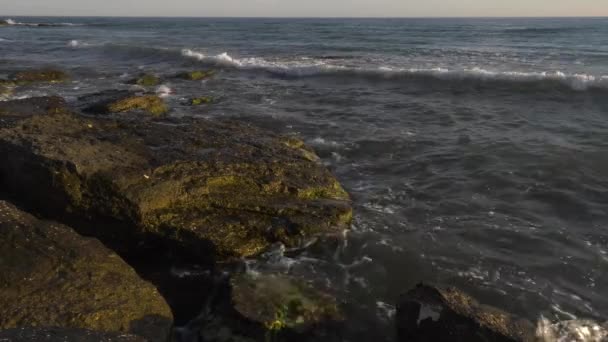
310, 66
73, 43
11, 22
571, 331
163, 91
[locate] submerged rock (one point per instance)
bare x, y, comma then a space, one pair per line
274, 308
124, 101
42, 75
197, 101
218, 190
433, 314
64, 335
51, 276
147, 80
196, 75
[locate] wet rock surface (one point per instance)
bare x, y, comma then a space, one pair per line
215, 189
269, 307
64, 335
51, 276
429, 313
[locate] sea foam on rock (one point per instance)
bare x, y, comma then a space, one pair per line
433, 314
212, 189
52, 277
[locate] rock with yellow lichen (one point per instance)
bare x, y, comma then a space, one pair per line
428, 313
52, 277
217, 190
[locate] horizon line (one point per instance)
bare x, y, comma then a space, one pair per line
306, 17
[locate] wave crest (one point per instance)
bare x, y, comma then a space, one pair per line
318, 67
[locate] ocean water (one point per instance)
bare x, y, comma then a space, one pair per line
475, 150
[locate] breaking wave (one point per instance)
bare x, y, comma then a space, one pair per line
308, 67
12, 22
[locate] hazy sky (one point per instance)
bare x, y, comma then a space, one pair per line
306, 8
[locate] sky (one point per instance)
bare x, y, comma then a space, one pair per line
305, 8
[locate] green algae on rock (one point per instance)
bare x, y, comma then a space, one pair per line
214, 189
197, 101
34, 334
279, 303
124, 101
196, 75
272, 308
42, 75
428, 313
51, 276
147, 80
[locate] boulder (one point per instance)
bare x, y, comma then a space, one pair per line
274, 307
52, 277
196, 75
434, 314
64, 335
41, 75
216, 190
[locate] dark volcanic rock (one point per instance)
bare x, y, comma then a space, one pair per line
51, 276
211, 189
64, 335
432, 314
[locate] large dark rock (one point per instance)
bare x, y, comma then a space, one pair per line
51, 276
221, 189
64, 335
434, 314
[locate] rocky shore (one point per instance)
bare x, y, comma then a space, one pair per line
103, 194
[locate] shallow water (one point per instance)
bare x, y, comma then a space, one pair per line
475, 150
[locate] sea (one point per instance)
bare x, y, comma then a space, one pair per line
475, 149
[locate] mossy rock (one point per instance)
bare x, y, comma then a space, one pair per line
42, 75
273, 308
51, 276
148, 103
36, 334
279, 302
124, 101
196, 75
217, 190
197, 101
148, 80
429, 313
